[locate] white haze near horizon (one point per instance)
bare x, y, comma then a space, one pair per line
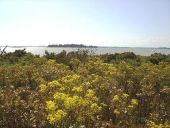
124, 23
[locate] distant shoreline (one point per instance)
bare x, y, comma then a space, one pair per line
86, 47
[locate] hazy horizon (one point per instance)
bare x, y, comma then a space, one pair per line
13, 45
115, 23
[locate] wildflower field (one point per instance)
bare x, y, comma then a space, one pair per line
83, 90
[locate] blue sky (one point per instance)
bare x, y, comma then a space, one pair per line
134, 23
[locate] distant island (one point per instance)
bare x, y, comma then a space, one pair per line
163, 48
71, 45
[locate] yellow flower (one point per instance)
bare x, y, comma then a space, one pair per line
130, 106
82, 102
54, 83
56, 117
69, 102
77, 89
134, 102
116, 111
51, 105
75, 76
51, 118
70, 78
43, 88
60, 96
125, 95
152, 124
51, 62
95, 107
90, 93
60, 114
115, 98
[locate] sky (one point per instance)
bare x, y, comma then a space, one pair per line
124, 23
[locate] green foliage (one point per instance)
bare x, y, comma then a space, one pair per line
13, 57
158, 57
128, 57
66, 58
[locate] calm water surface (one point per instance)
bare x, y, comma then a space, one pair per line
99, 50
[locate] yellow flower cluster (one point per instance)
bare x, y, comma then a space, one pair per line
51, 62
95, 107
125, 95
116, 111
60, 96
42, 88
115, 98
130, 106
77, 89
90, 93
134, 102
51, 105
152, 124
111, 69
71, 78
75, 76
71, 102
54, 83
74, 98
56, 117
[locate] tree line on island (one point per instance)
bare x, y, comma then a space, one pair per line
71, 45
